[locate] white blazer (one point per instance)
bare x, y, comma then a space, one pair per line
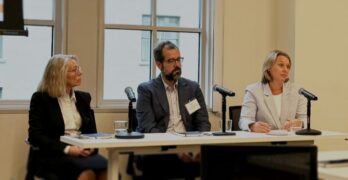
259, 105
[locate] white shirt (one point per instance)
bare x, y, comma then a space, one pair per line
175, 123
71, 117
278, 103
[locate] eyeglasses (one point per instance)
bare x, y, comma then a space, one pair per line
76, 70
173, 61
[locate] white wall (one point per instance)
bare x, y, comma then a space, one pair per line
249, 34
322, 59
321, 55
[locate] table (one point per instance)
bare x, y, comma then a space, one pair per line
333, 173
159, 143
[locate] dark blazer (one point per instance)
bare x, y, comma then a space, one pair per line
46, 123
153, 109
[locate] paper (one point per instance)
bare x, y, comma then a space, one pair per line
189, 133
192, 106
97, 136
278, 133
333, 163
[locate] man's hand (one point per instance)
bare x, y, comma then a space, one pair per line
186, 157
190, 157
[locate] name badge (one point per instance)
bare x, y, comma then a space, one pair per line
192, 106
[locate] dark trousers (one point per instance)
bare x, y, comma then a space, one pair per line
62, 166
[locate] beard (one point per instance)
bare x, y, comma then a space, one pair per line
174, 75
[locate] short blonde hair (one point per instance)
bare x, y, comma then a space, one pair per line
54, 78
270, 60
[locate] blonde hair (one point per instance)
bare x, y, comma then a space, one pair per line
270, 60
54, 78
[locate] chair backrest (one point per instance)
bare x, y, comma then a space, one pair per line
234, 115
35, 171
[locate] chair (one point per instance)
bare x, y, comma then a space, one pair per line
234, 115
32, 165
34, 171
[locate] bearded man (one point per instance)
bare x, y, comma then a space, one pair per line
171, 103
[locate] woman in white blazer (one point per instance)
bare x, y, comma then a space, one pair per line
273, 102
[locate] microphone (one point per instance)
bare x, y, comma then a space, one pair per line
307, 94
130, 94
131, 118
223, 91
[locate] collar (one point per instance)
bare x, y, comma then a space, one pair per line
166, 86
72, 97
267, 90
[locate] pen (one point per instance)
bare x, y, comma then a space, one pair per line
337, 161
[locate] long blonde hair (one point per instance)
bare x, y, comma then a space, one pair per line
54, 78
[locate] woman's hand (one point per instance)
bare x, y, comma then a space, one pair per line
77, 151
260, 127
293, 124
287, 125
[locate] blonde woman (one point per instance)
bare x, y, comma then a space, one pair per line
274, 102
55, 109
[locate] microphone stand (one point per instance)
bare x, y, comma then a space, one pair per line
130, 134
223, 120
308, 131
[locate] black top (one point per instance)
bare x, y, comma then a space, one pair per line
46, 123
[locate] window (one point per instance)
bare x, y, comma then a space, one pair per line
168, 36
20, 52
133, 28
1, 49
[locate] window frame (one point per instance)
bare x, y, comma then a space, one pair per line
158, 17
211, 47
57, 47
2, 60
206, 36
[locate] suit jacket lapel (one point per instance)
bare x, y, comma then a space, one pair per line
161, 94
59, 116
79, 107
270, 105
182, 99
286, 99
